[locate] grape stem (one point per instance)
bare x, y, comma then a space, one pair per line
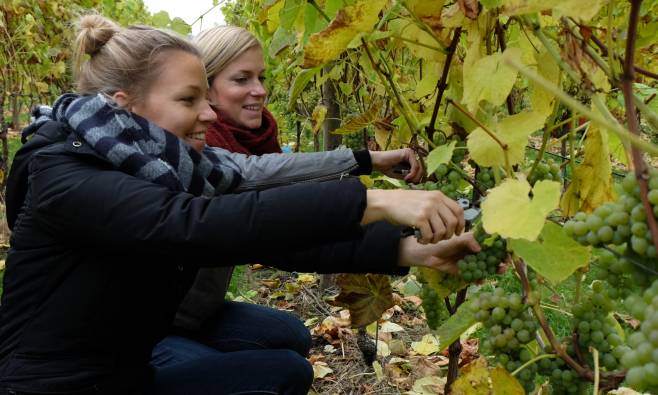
455, 348
441, 84
595, 355
533, 360
628, 77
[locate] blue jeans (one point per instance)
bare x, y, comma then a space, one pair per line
245, 349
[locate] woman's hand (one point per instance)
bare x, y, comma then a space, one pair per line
384, 161
442, 256
436, 216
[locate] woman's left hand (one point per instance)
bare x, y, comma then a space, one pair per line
384, 161
442, 256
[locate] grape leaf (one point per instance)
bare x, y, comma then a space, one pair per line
288, 14
458, 323
427, 47
299, 84
367, 296
513, 131
476, 378
578, 9
509, 211
541, 99
319, 113
440, 155
591, 183
554, 255
360, 121
427, 84
328, 44
490, 79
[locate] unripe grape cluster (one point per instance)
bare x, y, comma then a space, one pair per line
641, 357
485, 178
510, 326
617, 272
596, 328
448, 182
434, 307
545, 171
562, 378
621, 222
486, 262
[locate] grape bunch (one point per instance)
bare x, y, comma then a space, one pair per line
485, 178
620, 222
641, 357
617, 272
596, 328
434, 307
486, 262
563, 379
545, 171
448, 181
510, 326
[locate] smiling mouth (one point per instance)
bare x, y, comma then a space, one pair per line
253, 107
200, 136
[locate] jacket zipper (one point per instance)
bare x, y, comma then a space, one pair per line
295, 180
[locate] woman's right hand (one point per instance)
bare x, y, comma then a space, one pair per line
436, 216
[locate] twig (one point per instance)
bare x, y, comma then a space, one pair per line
533, 360
500, 34
628, 77
455, 349
320, 11
441, 84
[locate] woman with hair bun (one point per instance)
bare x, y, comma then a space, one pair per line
115, 202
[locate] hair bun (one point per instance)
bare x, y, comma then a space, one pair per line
94, 31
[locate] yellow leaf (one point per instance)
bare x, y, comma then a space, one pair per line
583, 10
328, 44
320, 370
513, 131
427, 47
428, 345
357, 123
306, 278
509, 211
542, 100
427, 84
428, 385
319, 113
591, 183
489, 79
477, 379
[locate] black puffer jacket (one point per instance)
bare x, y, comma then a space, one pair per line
99, 260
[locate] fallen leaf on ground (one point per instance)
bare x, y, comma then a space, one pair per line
320, 370
431, 385
428, 345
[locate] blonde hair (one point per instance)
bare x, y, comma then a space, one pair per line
221, 45
108, 58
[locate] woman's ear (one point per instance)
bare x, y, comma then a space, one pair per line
122, 99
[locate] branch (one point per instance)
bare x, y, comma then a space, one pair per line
441, 84
628, 77
500, 33
320, 11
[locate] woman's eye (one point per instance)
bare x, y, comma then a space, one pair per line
188, 99
262, 78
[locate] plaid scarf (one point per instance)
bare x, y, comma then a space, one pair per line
138, 147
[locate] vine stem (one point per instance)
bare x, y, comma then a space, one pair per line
319, 10
388, 81
628, 77
441, 84
488, 131
533, 360
617, 129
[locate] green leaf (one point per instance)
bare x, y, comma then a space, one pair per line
367, 296
513, 131
180, 26
578, 9
440, 155
490, 79
161, 19
281, 39
427, 84
509, 211
331, 42
289, 12
554, 255
299, 84
457, 324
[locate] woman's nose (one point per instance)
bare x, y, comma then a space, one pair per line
258, 89
207, 114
